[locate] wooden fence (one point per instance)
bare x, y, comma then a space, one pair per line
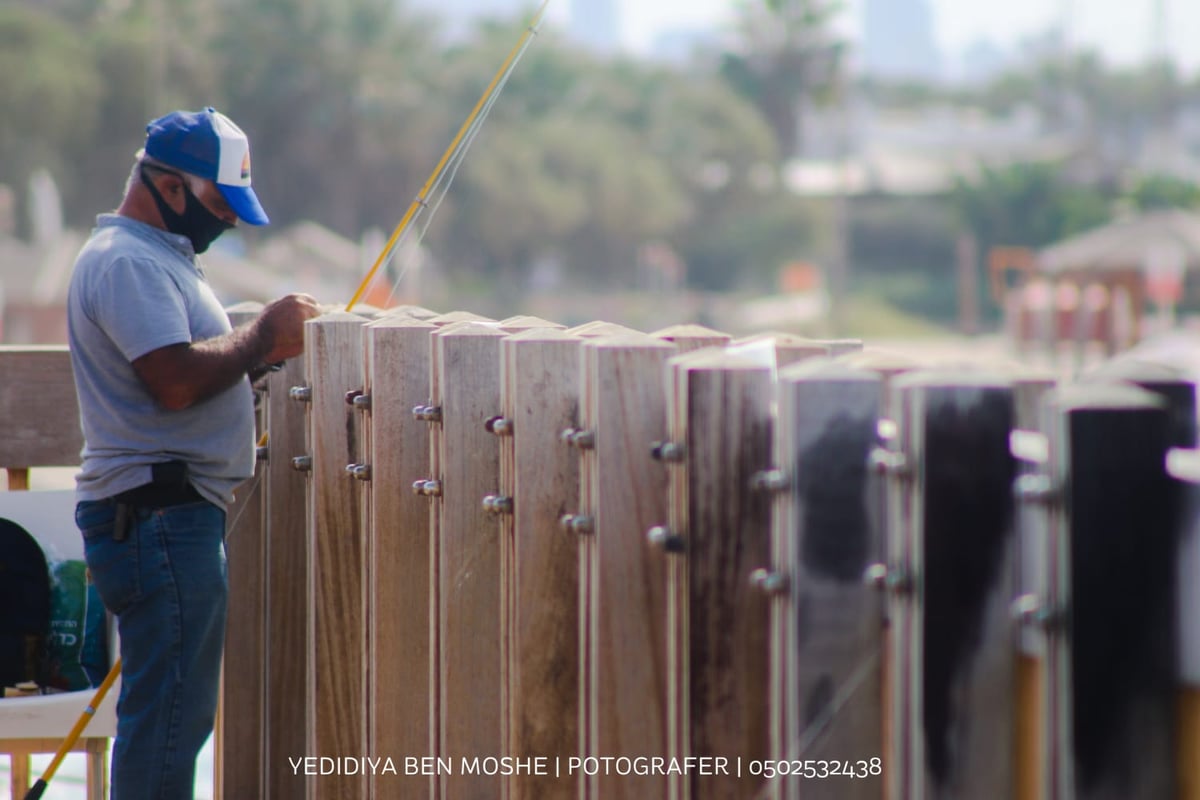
597, 563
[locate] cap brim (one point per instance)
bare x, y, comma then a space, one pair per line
244, 203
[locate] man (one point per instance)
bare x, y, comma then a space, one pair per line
168, 422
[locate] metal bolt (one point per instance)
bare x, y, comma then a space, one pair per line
360, 472
302, 463
262, 453
661, 536
428, 413
498, 504
362, 402
576, 523
1035, 489
301, 394
771, 480
427, 488
772, 583
501, 426
668, 452
888, 462
1029, 610
875, 576
353, 395
584, 440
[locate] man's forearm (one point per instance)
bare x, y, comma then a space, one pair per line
181, 375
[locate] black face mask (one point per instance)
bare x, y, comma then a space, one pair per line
196, 222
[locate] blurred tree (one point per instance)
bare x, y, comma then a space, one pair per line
1163, 191
49, 96
1029, 205
786, 53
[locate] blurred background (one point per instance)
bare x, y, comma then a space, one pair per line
872, 168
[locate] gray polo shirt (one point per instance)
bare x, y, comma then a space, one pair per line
137, 288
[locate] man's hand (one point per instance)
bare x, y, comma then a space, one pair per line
281, 326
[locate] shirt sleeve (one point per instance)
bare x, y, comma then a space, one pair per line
140, 307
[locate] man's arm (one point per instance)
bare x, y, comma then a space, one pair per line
180, 375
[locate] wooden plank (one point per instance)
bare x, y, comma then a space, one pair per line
337, 552
1113, 698
240, 734
826, 537
400, 662
540, 566
39, 408
288, 586
688, 338
625, 495
720, 620
964, 560
467, 389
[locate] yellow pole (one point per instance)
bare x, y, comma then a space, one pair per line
437, 171
76, 732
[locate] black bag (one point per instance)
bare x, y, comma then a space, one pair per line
24, 606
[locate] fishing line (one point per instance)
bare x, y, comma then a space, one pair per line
422, 198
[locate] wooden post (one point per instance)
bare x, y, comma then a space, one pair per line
960, 582
338, 556
827, 687
400, 672
37, 383
240, 735
1112, 669
688, 338
622, 577
288, 586
465, 387
718, 535
539, 477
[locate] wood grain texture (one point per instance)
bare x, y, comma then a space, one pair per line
540, 396
625, 494
288, 586
467, 388
39, 408
241, 735
826, 534
688, 338
400, 664
721, 620
337, 549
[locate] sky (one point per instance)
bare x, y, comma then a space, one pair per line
1120, 28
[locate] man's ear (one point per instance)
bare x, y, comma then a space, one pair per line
171, 186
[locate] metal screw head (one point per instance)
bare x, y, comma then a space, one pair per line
499, 425
362, 402
262, 453
769, 582
661, 536
302, 463
301, 394
771, 480
875, 576
353, 395
576, 523
1034, 488
583, 439
668, 452
888, 462
360, 472
498, 504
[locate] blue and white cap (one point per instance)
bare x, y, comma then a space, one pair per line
207, 144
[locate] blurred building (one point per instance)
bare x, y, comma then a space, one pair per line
898, 40
459, 16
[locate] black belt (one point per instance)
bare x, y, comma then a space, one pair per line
155, 495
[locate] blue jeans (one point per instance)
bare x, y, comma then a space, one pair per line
166, 584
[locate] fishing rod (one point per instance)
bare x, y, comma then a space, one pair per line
465, 136
39, 788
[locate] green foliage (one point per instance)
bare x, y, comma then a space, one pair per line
1029, 205
1153, 192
